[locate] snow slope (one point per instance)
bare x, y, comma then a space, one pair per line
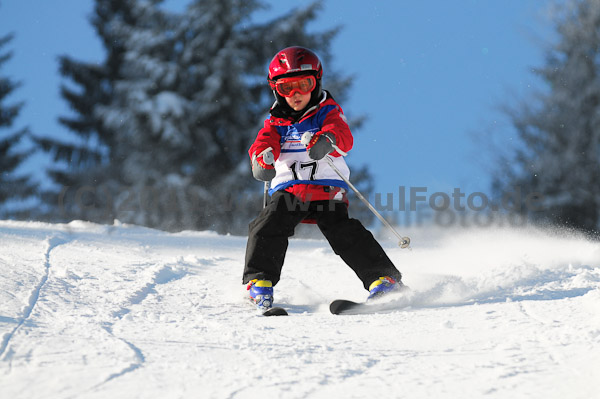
90, 311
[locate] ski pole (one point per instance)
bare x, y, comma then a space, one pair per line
266, 194
269, 159
404, 241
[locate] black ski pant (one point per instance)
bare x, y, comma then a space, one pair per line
269, 232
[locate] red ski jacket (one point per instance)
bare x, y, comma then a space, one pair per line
307, 179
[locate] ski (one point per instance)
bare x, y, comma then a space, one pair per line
275, 311
400, 298
346, 307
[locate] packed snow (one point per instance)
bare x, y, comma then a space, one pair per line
92, 311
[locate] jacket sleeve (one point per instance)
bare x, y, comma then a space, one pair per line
267, 137
335, 122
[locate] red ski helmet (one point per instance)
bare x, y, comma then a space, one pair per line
292, 61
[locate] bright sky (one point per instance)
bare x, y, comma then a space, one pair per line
429, 75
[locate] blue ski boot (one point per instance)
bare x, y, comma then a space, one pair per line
384, 285
261, 293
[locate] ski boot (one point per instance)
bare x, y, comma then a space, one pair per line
384, 285
261, 293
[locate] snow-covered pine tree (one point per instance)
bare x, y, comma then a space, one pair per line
85, 167
12, 187
146, 118
560, 128
167, 119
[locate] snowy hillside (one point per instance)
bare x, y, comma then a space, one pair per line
90, 311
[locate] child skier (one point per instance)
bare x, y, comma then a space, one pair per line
304, 186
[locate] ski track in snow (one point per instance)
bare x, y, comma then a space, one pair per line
139, 360
89, 311
51, 243
164, 275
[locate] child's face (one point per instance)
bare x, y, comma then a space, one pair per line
298, 101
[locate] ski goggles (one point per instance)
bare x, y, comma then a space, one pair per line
286, 87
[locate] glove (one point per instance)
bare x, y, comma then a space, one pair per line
262, 165
320, 145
